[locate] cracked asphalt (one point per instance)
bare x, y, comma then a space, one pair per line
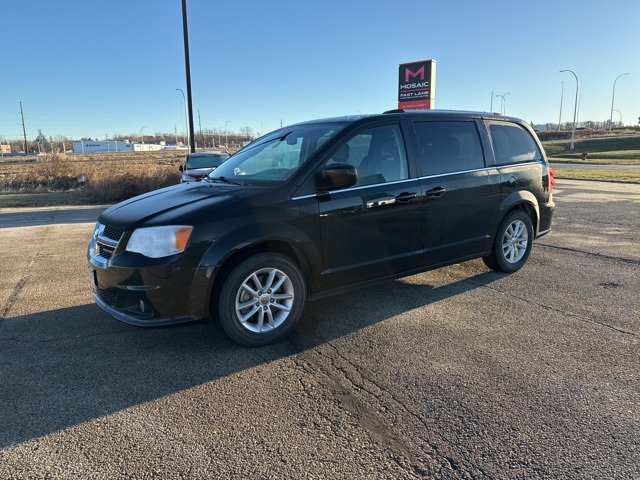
456, 373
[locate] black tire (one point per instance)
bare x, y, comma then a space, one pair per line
512, 245
261, 300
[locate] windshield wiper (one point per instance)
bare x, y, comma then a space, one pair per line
225, 180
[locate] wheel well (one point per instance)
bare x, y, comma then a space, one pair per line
283, 248
529, 210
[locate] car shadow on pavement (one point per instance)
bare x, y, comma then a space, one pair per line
64, 367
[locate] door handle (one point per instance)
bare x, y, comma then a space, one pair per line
435, 192
406, 197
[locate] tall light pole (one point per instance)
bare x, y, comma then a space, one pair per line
226, 134
186, 115
561, 96
491, 109
619, 113
575, 108
503, 104
142, 136
613, 96
578, 115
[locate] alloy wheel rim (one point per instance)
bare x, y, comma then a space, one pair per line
264, 300
515, 241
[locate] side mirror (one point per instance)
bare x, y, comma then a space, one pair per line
180, 168
338, 175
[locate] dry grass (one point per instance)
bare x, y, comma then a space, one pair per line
105, 178
622, 176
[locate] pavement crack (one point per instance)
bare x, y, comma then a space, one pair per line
17, 289
14, 294
346, 380
562, 312
594, 254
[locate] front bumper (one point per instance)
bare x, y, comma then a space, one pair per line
142, 291
132, 317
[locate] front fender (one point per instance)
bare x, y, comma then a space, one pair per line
231, 243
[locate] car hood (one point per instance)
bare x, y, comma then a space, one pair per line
170, 204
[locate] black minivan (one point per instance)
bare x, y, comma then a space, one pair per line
318, 208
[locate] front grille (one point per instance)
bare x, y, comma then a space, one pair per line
106, 241
105, 251
113, 233
109, 297
132, 304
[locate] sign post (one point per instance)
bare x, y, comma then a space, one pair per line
417, 85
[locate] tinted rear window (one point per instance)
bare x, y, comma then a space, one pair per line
447, 147
513, 144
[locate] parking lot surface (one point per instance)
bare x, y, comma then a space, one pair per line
456, 373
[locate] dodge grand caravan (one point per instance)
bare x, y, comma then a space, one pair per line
318, 208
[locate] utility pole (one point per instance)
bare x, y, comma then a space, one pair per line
200, 125
24, 131
188, 72
561, 96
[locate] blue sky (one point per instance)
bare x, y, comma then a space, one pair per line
96, 68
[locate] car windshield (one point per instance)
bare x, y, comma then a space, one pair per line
205, 160
278, 155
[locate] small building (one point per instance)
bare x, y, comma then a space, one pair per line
5, 148
114, 146
102, 147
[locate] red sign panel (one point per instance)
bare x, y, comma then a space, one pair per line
416, 85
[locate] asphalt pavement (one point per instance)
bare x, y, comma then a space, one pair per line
456, 373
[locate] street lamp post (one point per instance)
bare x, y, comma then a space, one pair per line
226, 132
575, 108
578, 114
186, 115
503, 104
142, 136
561, 96
613, 96
619, 113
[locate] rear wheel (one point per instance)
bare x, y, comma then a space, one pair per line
262, 299
512, 244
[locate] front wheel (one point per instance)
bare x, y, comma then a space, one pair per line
512, 244
261, 300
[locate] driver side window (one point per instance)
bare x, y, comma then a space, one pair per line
377, 153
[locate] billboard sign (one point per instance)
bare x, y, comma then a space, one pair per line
417, 85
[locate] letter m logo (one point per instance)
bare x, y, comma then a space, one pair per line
409, 73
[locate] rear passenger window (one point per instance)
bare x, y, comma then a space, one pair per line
448, 147
513, 144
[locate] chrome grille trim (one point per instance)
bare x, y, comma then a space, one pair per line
106, 241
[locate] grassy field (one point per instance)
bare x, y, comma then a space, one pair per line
598, 175
610, 150
109, 178
85, 179
603, 151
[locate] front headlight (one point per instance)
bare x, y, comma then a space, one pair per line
158, 242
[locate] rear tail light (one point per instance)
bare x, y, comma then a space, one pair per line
552, 180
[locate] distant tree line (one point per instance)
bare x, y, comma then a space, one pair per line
204, 138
